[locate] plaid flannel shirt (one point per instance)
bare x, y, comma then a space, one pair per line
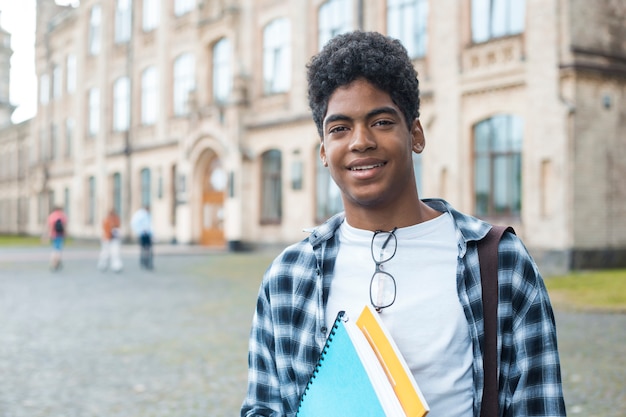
288, 330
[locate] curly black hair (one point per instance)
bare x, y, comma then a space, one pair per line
381, 60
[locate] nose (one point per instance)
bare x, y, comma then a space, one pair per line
362, 139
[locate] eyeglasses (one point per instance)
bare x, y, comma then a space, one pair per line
383, 284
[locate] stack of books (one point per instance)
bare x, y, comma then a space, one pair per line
360, 373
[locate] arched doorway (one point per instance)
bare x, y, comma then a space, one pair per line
212, 209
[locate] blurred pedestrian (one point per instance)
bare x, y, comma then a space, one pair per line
57, 229
141, 223
110, 244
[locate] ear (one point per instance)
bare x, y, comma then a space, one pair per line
417, 136
323, 154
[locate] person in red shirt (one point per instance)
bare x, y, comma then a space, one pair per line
110, 249
57, 230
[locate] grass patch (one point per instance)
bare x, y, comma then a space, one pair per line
27, 241
15, 240
590, 290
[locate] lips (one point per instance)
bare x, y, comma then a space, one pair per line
365, 164
366, 167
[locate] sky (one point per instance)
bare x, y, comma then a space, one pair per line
18, 18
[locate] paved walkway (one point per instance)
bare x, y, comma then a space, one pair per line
173, 342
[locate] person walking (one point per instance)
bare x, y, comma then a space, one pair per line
110, 243
364, 96
57, 230
141, 224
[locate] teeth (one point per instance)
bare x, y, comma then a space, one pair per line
364, 167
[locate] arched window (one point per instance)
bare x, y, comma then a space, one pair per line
94, 111
497, 18
271, 187
95, 30
407, 20
151, 14
277, 56
335, 17
149, 96
498, 166
184, 83
123, 21
222, 73
121, 104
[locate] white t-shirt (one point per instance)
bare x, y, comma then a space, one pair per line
426, 320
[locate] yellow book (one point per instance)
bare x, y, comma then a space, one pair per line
392, 361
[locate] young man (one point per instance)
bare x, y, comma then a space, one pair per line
364, 95
57, 225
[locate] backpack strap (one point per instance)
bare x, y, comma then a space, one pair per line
488, 259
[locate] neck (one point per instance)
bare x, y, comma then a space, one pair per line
386, 218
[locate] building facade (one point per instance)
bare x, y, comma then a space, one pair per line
198, 109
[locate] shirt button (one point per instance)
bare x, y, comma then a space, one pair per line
324, 329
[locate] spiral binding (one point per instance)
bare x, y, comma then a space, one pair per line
316, 370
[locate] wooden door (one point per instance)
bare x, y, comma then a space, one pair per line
212, 209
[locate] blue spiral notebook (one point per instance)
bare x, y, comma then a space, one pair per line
348, 379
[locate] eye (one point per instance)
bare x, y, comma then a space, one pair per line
337, 129
383, 122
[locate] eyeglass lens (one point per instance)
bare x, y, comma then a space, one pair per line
383, 285
384, 246
382, 290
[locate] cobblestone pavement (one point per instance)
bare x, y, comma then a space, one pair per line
172, 342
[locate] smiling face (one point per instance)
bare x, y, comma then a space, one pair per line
368, 147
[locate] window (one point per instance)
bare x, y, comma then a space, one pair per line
271, 187
276, 56
69, 133
497, 18
117, 193
335, 17
70, 73
57, 81
121, 104
222, 76
498, 166
184, 83
95, 28
183, 6
44, 89
94, 111
151, 14
146, 197
123, 21
328, 196
149, 96
91, 202
407, 20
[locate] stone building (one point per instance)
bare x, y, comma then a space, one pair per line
14, 142
198, 109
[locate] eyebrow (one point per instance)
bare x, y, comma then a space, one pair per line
374, 112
